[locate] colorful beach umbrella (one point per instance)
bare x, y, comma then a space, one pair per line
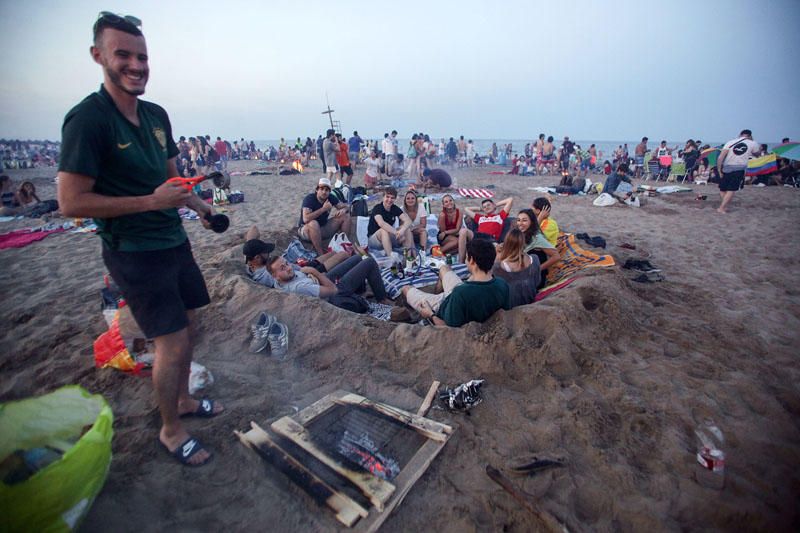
711, 154
759, 166
788, 150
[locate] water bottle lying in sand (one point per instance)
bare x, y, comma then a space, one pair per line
710, 456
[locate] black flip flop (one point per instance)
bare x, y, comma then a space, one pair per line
188, 449
205, 409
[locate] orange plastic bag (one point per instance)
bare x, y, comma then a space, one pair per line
110, 350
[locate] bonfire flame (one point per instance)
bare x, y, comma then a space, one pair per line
297, 165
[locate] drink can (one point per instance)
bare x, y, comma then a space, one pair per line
713, 460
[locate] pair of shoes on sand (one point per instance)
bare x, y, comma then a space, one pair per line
267, 331
640, 265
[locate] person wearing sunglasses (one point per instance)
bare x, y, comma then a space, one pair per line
118, 152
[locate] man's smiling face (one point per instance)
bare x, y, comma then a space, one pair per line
124, 60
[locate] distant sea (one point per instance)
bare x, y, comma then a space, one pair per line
482, 146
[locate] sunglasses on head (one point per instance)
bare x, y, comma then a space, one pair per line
113, 18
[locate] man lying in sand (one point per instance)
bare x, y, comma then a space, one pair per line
474, 300
257, 257
321, 216
346, 278
490, 223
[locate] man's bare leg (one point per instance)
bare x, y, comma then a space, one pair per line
464, 235
726, 199
386, 241
314, 234
347, 222
187, 404
252, 233
170, 378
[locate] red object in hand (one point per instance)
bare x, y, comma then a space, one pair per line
188, 183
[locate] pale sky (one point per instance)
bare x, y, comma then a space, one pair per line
606, 70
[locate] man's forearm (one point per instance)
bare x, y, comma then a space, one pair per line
197, 203
313, 215
324, 281
93, 205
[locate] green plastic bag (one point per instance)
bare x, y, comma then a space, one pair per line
58, 496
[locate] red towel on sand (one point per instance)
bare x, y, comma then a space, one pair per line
23, 237
475, 193
547, 291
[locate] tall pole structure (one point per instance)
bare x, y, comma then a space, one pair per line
330, 111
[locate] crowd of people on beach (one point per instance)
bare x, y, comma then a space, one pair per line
19, 154
111, 172
524, 246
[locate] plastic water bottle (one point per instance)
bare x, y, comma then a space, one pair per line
711, 458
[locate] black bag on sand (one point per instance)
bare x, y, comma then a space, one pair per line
42, 208
359, 208
350, 302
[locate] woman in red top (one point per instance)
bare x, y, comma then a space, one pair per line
450, 223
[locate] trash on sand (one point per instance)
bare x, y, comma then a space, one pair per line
463, 397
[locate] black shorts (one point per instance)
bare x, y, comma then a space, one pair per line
346, 170
485, 237
732, 181
159, 286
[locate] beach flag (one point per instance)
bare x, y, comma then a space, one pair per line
476, 193
759, 166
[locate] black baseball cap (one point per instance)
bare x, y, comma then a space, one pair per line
254, 247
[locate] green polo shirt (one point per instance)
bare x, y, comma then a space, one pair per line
124, 160
474, 301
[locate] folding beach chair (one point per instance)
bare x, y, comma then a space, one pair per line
645, 171
653, 169
677, 171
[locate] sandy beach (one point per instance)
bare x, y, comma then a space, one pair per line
610, 375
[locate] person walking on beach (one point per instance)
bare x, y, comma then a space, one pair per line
639, 152
222, 151
330, 150
354, 148
731, 164
117, 153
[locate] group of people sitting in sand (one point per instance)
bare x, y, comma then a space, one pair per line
507, 258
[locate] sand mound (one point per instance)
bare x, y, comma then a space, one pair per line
609, 375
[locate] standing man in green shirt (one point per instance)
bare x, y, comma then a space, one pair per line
117, 153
